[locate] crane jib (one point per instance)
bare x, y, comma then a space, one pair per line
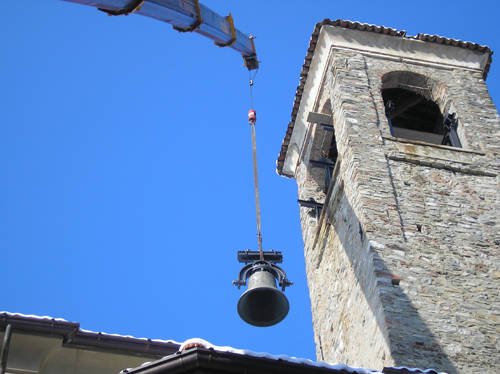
185, 15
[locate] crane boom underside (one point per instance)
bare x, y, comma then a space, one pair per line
183, 16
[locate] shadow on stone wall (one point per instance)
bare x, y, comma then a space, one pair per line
411, 342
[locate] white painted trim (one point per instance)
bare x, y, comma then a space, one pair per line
311, 90
406, 48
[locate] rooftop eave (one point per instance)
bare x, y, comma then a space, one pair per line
74, 336
208, 361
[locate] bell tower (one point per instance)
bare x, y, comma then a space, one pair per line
394, 144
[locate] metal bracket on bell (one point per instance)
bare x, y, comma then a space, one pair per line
275, 270
248, 256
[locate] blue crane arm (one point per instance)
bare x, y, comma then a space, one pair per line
185, 15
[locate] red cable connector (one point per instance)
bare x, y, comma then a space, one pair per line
252, 116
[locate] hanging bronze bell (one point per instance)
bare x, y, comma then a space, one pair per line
263, 304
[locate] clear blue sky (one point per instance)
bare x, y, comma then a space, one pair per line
125, 161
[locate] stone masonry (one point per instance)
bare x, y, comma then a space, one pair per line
403, 261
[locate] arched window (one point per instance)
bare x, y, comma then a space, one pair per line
412, 112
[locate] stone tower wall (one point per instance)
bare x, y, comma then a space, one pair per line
403, 263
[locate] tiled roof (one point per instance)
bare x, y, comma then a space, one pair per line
362, 27
230, 358
173, 351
